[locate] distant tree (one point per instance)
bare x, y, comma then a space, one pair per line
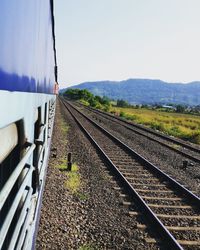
180, 108
98, 98
85, 94
157, 106
93, 102
122, 103
197, 108
77, 94
72, 94
105, 100
144, 106
88, 98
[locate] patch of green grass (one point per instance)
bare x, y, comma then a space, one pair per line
87, 247
74, 167
64, 127
128, 116
157, 126
175, 146
81, 196
195, 137
62, 164
73, 182
84, 102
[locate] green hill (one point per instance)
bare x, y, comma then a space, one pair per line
145, 91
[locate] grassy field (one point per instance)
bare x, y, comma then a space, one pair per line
183, 126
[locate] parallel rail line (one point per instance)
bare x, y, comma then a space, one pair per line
188, 151
172, 209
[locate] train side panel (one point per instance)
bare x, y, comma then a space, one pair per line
27, 86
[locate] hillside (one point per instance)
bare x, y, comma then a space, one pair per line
138, 91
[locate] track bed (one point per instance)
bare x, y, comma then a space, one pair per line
164, 154
171, 205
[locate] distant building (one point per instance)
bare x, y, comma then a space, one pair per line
169, 107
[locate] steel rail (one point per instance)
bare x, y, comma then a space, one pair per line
151, 216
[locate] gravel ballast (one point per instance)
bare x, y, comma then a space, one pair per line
93, 217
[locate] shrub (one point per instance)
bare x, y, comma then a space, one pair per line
84, 102
195, 137
157, 126
106, 108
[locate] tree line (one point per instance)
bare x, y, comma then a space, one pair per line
105, 103
87, 98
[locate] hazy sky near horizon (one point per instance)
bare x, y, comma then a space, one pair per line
121, 39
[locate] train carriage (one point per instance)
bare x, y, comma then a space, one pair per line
28, 76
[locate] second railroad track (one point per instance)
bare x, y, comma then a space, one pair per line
185, 149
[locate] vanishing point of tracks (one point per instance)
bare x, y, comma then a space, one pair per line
171, 209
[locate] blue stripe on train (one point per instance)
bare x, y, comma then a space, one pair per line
26, 46
13, 82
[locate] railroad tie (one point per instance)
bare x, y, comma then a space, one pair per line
169, 206
123, 195
189, 242
172, 228
153, 191
133, 213
161, 198
149, 185
151, 240
139, 179
192, 217
127, 203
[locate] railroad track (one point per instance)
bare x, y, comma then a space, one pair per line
189, 151
169, 207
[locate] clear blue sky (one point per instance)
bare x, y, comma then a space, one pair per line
121, 39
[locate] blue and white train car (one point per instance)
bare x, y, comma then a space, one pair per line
28, 73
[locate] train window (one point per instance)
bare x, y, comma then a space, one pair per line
36, 115
45, 113
45, 121
37, 126
37, 123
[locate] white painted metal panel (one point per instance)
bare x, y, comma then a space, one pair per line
8, 139
23, 107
